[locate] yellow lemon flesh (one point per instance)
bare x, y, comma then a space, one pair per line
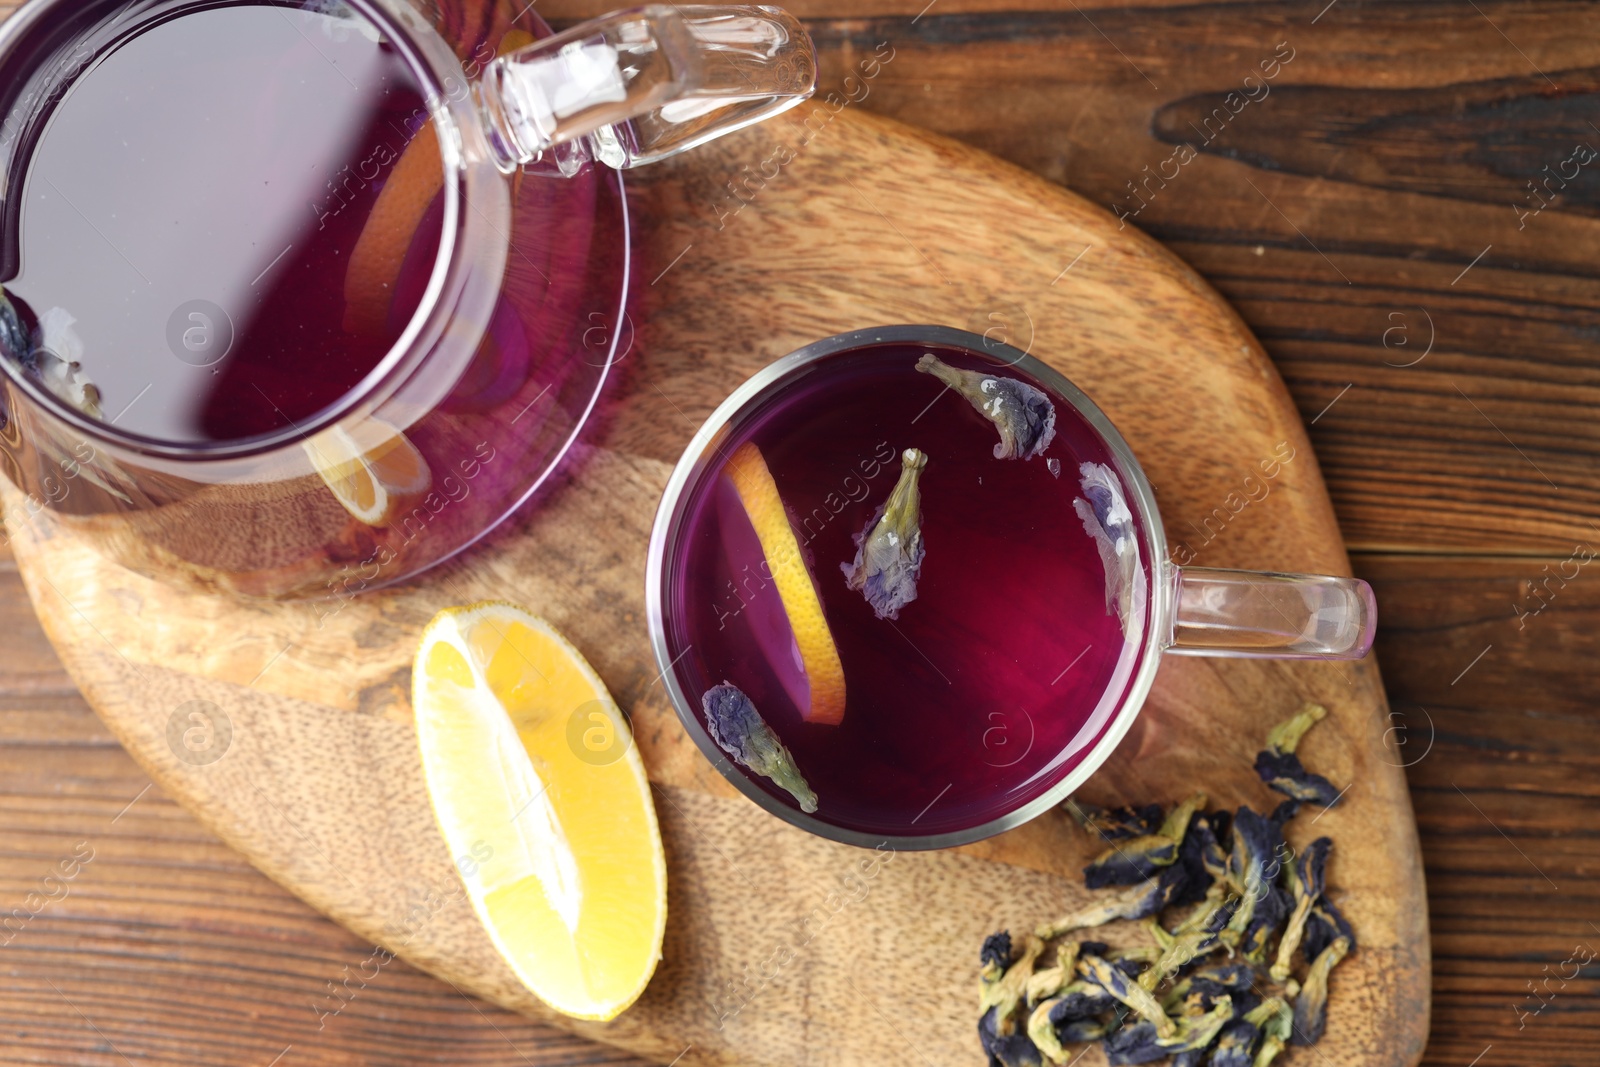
532, 771
751, 479
373, 470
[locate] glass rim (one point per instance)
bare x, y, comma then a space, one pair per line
423, 62
669, 518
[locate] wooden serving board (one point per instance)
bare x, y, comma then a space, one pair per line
779, 949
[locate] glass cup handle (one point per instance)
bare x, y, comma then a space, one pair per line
641, 85
1281, 616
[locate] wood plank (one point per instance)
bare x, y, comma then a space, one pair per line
1505, 776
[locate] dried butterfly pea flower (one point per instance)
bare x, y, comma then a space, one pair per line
1284, 812
1141, 857
1311, 1006
1285, 737
1143, 1042
1078, 1031
1133, 1044
1116, 824
1135, 902
1236, 1045
1024, 416
1324, 927
1285, 773
1307, 883
1008, 989
1000, 997
1201, 859
995, 956
1052, 980
1275, 1020
1081, 999
741, 732
1043, 1034
1114, 981
889, 548
1279, 767
1006, 1050
1270, 914
1198, 936
1253, 868
1109, 523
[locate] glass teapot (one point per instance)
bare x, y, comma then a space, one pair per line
418, 357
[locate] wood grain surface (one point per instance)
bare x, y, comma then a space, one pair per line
869, 222
1457, 480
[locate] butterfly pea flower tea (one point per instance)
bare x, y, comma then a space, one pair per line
960, 595
934, 573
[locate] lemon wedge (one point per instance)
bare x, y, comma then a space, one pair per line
529, 762
373, 470
819, 656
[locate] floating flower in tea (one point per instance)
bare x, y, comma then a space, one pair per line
50, 355
1280, 768
741, 732
1024, 415
1107, 520
889, 548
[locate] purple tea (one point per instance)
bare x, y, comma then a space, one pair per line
201, 229
975, 561
220, 220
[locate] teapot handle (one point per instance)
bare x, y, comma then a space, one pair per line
640, 85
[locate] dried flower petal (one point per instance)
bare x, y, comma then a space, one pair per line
1143, 1042
1253, 868
1007, 991
1142, 857
1285, 773
1285, 737
1130, 862
1116, 824
1280, 768
1109, 523
1275, 1020
1309, 879
1080, 1030
996, 954
999, 1000
741, 732
1311, 1006
1324, 927
1051, 981
1114, 981
1133, 1044
1011, 1049
1024, 416
1042, 1032
889, 548
1236, 1045
1135, 902
1080, 1000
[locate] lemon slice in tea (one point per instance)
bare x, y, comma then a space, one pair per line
813, 641
374, 471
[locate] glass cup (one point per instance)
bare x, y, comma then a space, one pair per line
521, 314
701, 635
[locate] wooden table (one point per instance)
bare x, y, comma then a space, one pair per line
1367, 209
